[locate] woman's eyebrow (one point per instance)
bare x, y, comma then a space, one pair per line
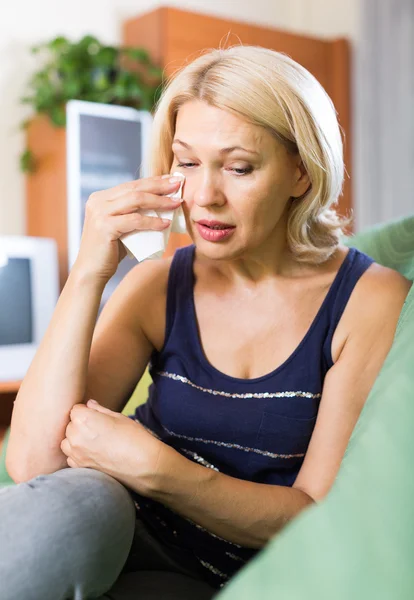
221, 151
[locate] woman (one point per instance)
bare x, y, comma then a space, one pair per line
264, 339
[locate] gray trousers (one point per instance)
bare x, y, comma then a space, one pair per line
73, 535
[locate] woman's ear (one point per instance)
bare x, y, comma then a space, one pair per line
302, 181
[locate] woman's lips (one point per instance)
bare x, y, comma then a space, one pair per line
210, 234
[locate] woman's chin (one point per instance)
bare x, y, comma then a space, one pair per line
218, 251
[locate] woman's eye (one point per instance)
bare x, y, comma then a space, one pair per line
245, 171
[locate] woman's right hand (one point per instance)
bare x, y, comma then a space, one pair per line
110, 214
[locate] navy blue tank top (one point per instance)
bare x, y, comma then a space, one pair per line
253, 429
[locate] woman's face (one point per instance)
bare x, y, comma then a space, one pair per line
239, 180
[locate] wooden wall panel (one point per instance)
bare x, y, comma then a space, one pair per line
187, 34
147, 31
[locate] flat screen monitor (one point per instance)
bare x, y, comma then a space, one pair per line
106, 145
29, 290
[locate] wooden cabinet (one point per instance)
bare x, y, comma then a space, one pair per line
46, 208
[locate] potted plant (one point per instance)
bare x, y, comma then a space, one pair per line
88, 70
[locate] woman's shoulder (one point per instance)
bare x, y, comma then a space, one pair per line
377, 280
149, 277
390, 288
377, 298
383, 284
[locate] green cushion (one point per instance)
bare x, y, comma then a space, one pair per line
5, 479
359, 542
390, 244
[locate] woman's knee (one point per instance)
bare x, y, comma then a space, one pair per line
75, 525
82, 500
88, 511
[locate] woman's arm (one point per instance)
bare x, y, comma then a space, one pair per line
55, 381
371, 321
76, 361
240, 511
57, 377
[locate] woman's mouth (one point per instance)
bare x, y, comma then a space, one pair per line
214, 231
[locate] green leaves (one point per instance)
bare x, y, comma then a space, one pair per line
138, 54
27, 162
88, 70
58, 115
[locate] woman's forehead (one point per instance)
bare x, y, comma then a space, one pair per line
199, 124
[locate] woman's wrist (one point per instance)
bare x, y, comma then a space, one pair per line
81, 277
176, 477
163, 471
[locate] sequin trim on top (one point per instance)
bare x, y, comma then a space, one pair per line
199, 459
187, 381
213, 569
232, 445
235, 557
213, 535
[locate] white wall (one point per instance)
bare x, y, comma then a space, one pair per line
24, 23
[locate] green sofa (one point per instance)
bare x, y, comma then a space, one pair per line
359, 542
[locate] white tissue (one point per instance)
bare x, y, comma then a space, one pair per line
152, 244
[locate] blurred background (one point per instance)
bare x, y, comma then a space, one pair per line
24, 24
362, 51
381, 120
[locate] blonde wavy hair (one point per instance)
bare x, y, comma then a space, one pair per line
269, 89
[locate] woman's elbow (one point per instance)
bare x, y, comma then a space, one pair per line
21, 469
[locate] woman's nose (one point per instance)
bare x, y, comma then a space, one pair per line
208, 193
